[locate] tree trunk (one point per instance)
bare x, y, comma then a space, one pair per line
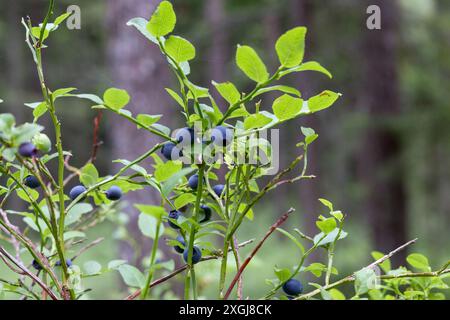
137, 66
217, 54
380, 154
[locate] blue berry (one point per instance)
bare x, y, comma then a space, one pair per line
218, 189
36, 265
174, 214
178, 248
196, 255
27, 150
76, 191
170, 149
32, 182
221, 136
185, 133
293, 287
193, 182
68, 263
206, 213
114, 193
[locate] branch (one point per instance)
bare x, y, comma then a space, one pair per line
352, 277
279, 222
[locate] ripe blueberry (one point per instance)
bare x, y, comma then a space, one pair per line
36, 265
185, 133
174, 214
196, 255
193, 182
178, 248
206, 213
27, 150
68, 263
32, 182
170, 149
114, 193
221, 136
293, 287
218, 189
76, 191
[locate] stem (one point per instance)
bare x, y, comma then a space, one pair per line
191, 269
146, 290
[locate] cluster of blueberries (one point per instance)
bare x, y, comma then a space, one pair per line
29, 150
38, 267
220, 136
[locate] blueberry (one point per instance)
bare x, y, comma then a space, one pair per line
193, 182
76, 191
178, 248
221, 136
206, 213
185, 133
114, 193
293, 287
170, 149
196, 255
218, 189
27, 150
174, 214
36, 265
32, 182
68, 263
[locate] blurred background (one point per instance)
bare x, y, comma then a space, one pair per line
383, 153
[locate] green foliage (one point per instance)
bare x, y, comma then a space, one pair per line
200, 215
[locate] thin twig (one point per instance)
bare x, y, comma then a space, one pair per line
87, 247
279, 222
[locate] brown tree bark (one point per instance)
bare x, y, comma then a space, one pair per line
380, 165
137, 66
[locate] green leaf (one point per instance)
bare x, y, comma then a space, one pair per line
92, 267
287, 107
87, 96
141, 25
175, 96
154, 211
290, 47
282, 88
385, 265
174, 180
282, 274
76, 212
418, 261
251, 64
147, 120
336, 294
312, 66
365, 280
322, 101
60, 19
147, 224
179, 49
39, 111
165, 170
228, 91
132, 276
330, 237
316, 268
89, 175
62, 92
115, 264
257, 120
184, 199
327, 225
163, 20
325, 202
116, 98
310, 135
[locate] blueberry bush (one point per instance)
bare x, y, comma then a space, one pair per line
199, 213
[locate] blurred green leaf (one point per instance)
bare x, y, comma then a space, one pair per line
290, 47
163, 20
251, 64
